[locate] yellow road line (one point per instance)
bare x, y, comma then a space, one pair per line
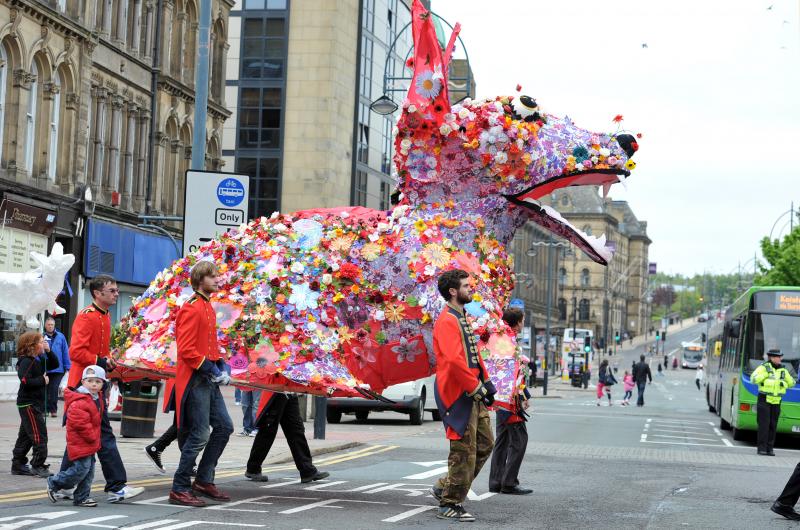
327, 461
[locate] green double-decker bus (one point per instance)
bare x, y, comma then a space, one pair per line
761, 319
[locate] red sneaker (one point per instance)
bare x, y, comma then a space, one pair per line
210, 491
185, 498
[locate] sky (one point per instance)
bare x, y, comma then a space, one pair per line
715, 94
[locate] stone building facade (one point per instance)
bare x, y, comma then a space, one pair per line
608, 300
78, 133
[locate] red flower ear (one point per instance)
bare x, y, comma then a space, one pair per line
519, 87
634, 146
618, 118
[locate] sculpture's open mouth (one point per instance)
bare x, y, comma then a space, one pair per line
587, 177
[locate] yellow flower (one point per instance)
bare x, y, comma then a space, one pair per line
370, 251
630, 164
394, 313
484, 243
342, 243
436, 255
355, 289
477, 297
420, 225
425, 318
338, 297
344, 333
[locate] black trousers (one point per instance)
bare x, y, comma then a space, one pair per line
767, 416
509, 450
52, 391
283, 411
791, 491
32, 434
169, 436
110, 460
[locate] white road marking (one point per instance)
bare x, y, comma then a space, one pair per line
683, 421
471, 495
318, 504
279, 484
187, 524
727, 442
688, 443
431, 463
368, 486
644, 438
427, 474
151, 524
83, 522
324, 485
44, 515
251, 500
683, 437
421, 489
409, 513
679, 431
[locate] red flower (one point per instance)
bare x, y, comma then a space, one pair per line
485, 336
314, 285
275, 282
349, 271
410, 62
519, 87
635, 146
618, 118
639, 136
376, 297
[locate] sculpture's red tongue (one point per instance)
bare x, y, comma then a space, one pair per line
601, 177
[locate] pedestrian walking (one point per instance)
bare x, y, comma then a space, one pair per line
627, 385
674, 363
91, 339
249, 400
56, 342
666, 361
699, 376
462, 391
660, 372
605, 380
511, 437
278, 409
32, 361
83, 408
786, 501
641, 375
773, 380
201, 416
154, 450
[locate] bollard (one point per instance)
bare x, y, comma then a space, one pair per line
320, 416
544, 384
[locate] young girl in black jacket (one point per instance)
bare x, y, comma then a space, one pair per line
32, 364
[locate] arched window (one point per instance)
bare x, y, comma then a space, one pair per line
585, 278
190, 46
583, 309
562, 276
562, 309
30, 119
587, 229
55, 117
3, 81
217, 61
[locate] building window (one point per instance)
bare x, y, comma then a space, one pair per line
367, 47
55, 115
361, 188
587, 229
562, 309
386, 192
369, 15
263, 48
260, 118
30, 118
583, 309
562, 276
585, 278
3, 81
264, 183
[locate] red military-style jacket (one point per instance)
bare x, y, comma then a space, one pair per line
196, 335
459, 369
90, 341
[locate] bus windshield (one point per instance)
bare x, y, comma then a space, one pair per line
777, 331
692, 353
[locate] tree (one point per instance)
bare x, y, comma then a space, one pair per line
664, 296
783, 258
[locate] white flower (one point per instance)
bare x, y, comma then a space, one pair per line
280, 227
605, 151
430, 270
430, 161
501, 157
429, 84
274, 215
445, 129
423, 299
463, 113
290, 328
334, 267
383, 227
412, 108
374, 236
379, 315
297, 267
327, 278
579, 166
405, 143
344, 215
311, 326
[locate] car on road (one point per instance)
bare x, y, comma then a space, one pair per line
412, 398
703, 317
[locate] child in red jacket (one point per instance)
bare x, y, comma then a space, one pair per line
84, 408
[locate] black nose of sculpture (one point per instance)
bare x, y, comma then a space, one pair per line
628, 144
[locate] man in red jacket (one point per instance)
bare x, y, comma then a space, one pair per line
462, 392
90, 345
198, 400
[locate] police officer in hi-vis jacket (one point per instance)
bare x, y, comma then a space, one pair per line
773, 380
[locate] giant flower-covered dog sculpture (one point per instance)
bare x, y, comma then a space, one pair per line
341, 300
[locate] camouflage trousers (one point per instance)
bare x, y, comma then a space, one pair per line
467, 456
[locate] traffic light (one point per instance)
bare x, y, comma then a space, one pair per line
664, 336
587, 344
702, 337
658, 334
616, 337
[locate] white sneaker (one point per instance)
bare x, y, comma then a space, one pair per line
128, 492
64, 495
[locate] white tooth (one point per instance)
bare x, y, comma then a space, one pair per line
533, 201
622, 179
606, 188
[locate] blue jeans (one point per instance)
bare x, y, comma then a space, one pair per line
249, 407
110, 460
79, 474
204, 408
640, 388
